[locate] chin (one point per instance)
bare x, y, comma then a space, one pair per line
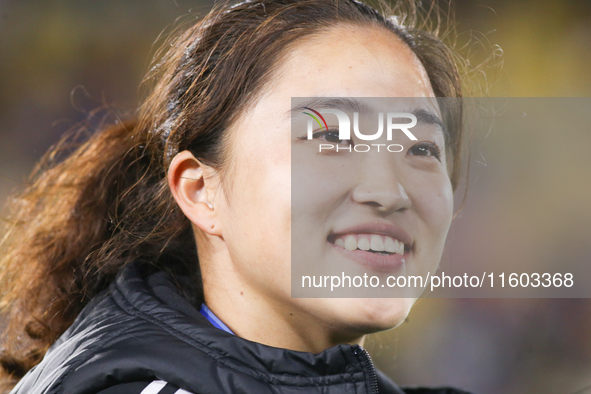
360, 316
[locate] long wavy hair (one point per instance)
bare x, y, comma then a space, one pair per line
107, 202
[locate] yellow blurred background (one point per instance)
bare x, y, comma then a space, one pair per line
62, 59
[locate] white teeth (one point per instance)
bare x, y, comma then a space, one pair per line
390, 245
350, 243
363, 243
376, 243
399, 247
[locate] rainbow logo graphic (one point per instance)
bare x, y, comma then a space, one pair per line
316, 119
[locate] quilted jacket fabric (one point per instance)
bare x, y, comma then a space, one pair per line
141, 329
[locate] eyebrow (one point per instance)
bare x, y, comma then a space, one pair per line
427, 117
353, 105
344, 104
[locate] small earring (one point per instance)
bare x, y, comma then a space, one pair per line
210, 205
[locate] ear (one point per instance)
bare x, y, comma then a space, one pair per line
194, 186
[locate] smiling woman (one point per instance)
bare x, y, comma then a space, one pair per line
157, 257
358, 213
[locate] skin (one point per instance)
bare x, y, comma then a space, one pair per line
242, 216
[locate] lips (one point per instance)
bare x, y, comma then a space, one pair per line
377, 245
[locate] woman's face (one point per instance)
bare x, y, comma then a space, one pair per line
405, 196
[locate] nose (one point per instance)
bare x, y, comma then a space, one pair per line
386, 194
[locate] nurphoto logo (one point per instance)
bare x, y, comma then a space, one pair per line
344, 129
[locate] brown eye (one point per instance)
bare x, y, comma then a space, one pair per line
425, 149
331, 135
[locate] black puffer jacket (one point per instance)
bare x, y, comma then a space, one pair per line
141, 329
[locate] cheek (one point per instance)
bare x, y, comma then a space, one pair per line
433, 201
258, 220
315, 191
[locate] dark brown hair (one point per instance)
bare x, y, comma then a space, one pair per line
108, 203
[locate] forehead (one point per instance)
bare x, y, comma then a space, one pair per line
354, 61
343, 61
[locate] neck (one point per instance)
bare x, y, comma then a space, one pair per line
273, 325
264, 318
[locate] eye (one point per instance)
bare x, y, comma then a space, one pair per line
332, 136
425, 149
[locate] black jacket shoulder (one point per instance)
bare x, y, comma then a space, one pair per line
141, 330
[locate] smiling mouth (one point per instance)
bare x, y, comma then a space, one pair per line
374, 243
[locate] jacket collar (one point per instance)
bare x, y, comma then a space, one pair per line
155, 298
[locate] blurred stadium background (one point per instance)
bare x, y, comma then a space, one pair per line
62, 59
